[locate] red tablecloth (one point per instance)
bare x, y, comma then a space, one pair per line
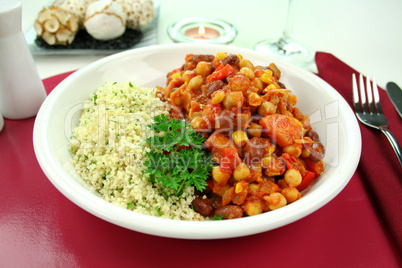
39, 227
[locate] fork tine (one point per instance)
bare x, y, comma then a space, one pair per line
369, 95
356, 101
363, 94
376, 97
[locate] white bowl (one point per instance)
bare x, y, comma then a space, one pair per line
330, 115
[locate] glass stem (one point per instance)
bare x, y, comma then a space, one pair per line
290, 20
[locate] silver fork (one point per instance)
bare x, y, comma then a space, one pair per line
369, 112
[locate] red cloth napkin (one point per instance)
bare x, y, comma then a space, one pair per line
378, 167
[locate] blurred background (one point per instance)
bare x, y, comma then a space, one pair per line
365, 34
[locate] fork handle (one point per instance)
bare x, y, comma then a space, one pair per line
394, 143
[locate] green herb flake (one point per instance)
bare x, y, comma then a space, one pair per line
129, 205
217, 218
160, 213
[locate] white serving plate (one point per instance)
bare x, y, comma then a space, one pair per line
331, 117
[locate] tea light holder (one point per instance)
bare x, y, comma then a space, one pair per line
202, 30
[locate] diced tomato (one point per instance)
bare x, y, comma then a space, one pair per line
306, 180
230, 159
221, 72
315, 166
281, 129
216, 108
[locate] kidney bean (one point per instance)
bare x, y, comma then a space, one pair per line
256, 148
232, 60
317, 151
216, 201
312, 135
202, 206
229, 212
213, 86
226, 120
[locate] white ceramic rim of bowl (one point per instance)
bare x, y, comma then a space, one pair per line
193, 229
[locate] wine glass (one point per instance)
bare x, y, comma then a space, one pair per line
286, 47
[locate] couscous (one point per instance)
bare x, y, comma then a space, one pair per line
109, 148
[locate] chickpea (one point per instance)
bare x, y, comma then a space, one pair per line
275, 201
203, 68
239, 82
255, 130
246, 63
266, 108
217, 97
220, 176
253, 188
248, 72
229, 101
291, 194
305, 153
252, 207
195, 83
257, 83
293, 177
188, 75
233, 99
241, 172
254, 99
293, 149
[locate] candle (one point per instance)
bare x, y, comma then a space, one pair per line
202, 30
202, 33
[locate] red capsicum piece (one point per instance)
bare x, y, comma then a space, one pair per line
289, 160
221, 72
306, 180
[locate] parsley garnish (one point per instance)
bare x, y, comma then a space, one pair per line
177, 133
217, 218
182, 162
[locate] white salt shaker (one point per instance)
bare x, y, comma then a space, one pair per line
21, 89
